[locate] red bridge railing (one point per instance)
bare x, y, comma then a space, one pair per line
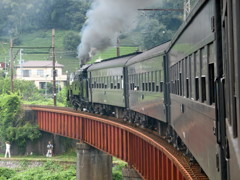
147, 153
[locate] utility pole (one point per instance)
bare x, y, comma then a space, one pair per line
20, 63
187, 9
54, 69
11, 64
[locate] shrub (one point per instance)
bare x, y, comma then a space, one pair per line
6, 173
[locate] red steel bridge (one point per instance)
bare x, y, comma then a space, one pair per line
151, 156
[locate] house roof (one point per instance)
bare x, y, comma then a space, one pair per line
38, 64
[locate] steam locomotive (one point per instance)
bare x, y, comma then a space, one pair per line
187, 89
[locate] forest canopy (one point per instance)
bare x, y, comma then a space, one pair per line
26, 16
17, 17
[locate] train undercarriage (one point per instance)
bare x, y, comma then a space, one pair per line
137, 119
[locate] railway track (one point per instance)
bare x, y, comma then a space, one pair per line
156, 153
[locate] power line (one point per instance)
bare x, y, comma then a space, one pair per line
180, 10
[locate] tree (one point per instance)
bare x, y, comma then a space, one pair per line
71, 41
25, 89
13, 127
17, 17
157, 27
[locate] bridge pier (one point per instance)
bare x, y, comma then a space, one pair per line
129, 173
93, 164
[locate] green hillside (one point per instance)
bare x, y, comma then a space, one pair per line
44, 39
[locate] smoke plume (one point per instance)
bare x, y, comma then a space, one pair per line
105, 21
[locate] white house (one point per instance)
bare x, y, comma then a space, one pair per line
40, 72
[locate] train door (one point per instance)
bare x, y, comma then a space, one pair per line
231, 63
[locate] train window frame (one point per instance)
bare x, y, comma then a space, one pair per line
153, 86
196, 88
187, 88
161, 86
177, 79
192, 68
118, 85
211, 79
180, 84
203, 89
140, 80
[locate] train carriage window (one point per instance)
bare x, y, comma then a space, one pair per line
95, 84
144, 81
211, 83
192, 67
186, 78
175, 87
105, 82
122, 85
147, 78
177, 79
136, 82
92, 80
204, 91
182, 76
115, 82
99, 83
140, 80
160, 76
150, 86
161, 87
203, 73
171, 88
187, 88
153, 78
180, 84
118, 82
153, 86
197, 88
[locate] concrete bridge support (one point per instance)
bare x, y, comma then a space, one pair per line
93, 164
129, 173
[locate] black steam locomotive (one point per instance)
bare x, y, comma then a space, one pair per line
186, 89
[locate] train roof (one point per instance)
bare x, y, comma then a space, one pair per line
112, 62
150, 53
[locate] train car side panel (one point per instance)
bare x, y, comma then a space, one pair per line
192, 71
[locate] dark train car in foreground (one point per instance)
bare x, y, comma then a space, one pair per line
228, 131
192, 71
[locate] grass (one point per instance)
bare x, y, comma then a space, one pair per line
67, 58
